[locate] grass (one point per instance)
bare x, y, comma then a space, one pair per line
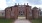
37, 21
10, 20
6, 20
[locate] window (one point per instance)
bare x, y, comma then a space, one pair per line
2, 13
40, 13
21, 12
11, 8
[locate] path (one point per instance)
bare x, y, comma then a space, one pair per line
22, 21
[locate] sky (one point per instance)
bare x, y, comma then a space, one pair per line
7, 3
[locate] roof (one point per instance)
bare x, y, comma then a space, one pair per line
35, 8
18, 6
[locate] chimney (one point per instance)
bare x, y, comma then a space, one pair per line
27, 3
15, 3
18, 4
24, 3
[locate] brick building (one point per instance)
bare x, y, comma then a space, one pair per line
16, 10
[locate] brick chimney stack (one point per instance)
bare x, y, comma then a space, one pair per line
15, 3
27, 3
18, 4
24, 3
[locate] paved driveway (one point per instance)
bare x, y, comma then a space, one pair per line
22, 20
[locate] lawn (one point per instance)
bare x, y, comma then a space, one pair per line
6, 20
10, 20
37, 21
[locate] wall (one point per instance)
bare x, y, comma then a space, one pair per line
40, 14
7, 13
29, 12
35, 13
2, 14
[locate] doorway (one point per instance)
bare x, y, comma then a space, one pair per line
21, 15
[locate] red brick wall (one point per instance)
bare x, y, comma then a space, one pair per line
13, 12
23, 8
35, 13
28, 12
7, 12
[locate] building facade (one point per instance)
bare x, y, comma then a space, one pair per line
16, 10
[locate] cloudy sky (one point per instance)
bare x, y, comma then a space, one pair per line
6, 3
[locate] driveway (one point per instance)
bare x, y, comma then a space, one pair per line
20, 20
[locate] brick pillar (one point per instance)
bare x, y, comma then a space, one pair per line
28, 12
7, 13
13, 14
35, 12
16, 13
